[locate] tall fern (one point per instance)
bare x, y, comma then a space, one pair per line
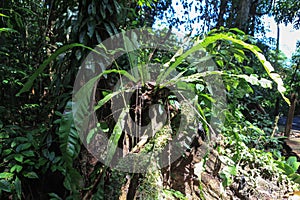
70, 147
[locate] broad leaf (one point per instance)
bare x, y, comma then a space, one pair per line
30, 175
27, 86
256, 51
114, 138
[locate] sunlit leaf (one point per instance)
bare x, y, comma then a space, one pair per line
7, 30
254, 49
6, 175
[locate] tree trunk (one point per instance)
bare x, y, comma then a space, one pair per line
290, 118
277, 104
221, 13
243, 14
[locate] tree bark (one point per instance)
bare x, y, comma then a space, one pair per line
289, 121
243, 14
221, 13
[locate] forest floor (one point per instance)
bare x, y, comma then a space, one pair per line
186, 175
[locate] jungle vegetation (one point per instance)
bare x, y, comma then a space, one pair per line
43, 44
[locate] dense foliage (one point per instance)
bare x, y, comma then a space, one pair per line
43, 44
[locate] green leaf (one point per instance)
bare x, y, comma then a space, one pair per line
69, 138
18, 187
238, 31
6, 175
30, 175
176, 60
16, 168
21, 139
239, 55
78, 53
117, 7
42, 161
112, 25
108, 29
100, 126
7, 30
226, 179
19, 157
6, 152
2, 15
288, 169
232, 170
54, 196
256, 51
220, 63
91, 28
92, 8
72, 180
114, 138
29, 162
295, 177
173, 193
292, 161
70, 145
22, 147
91, 135
249, 70
5, 186
27, 86
82, 101
106, 99
102, 11
130, 47
82, 37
